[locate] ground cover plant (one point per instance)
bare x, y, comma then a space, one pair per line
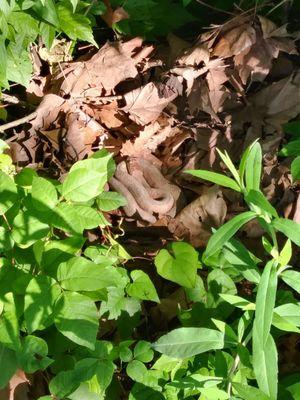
149, 200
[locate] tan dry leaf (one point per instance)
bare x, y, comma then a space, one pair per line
235, 41
82, 132
207, 211
17, 389
194, 56
48, 111
216, 77
109, 115
112, 64
199, 99
146, 103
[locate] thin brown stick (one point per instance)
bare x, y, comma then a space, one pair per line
18, 122
214, 8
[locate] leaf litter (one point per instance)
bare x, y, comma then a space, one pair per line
164, 109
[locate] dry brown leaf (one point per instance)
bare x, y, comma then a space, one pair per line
17, 389
194, 56
199, 99
207, 211
82, 132
48, 111
109, 115
145, 104
112, 64
235, 41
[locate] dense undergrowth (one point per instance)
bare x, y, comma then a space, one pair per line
76, 312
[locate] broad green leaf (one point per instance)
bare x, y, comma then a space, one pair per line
214, 177
291, 149
117, 302
76, 317
26, 229
88, 217
47, 31
66, 382
213, 393
6, 241
82, 185
8, 193
291, 278
292, 128
143, 351
80, 274
19, 66
33, 354
43, 194
295, 169
289, 228
138, 372
249, 392
84, 391
58, 251
253, 168
9, 362
108, 201
76, 26
142, 392
179, 264
188, 342
223, 234
41, 294
9, 325
259, 200
142, 287
25, 177
265, 365
46, 10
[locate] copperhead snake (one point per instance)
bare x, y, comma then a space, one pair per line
146, 190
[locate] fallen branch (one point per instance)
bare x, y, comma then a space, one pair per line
18, 122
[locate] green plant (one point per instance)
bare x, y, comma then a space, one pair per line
23, 21
52, 281
227, 340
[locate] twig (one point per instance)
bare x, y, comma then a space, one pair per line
18, 122
214, 8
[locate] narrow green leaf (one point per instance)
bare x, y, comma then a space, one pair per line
265, 365
76, 317
259, 200
179, 264
291, 278
264, 348
238, 301
242, 166
265, 302
188, 342
289, 228
214, 177
223, 234
253, 168
229, 164
249, 392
